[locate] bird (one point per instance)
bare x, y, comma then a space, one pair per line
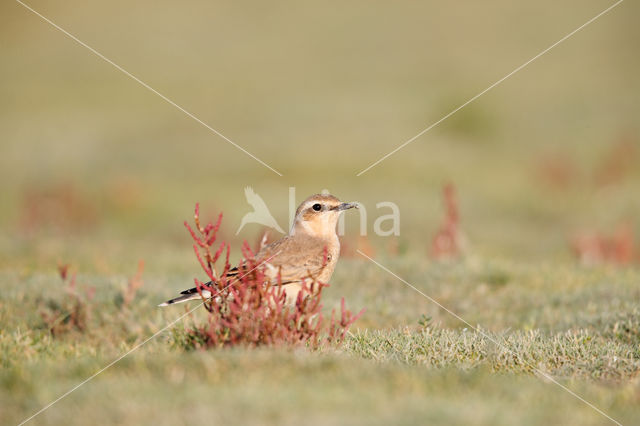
309, 251
260, 213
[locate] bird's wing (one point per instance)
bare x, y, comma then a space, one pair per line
233, 273
295, 260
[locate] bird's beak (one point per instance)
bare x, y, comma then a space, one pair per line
345, 206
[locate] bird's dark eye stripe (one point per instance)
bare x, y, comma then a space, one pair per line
317, 207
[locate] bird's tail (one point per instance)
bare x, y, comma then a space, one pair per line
186, 297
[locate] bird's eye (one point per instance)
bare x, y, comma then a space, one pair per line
317, 207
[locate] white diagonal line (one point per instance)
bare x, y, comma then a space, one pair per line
138, 346
494, 341
128, 74
490, 87
107, 366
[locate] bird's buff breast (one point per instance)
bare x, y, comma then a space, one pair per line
292, 290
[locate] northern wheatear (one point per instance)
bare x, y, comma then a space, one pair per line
299, 256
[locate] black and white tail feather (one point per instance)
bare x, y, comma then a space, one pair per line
187, 295
192, 293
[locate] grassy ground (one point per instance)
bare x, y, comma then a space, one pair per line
405, 361
98, 172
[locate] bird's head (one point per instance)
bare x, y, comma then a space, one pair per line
318, 215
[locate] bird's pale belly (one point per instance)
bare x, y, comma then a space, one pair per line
292, 290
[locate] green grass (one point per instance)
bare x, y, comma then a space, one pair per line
320, 91
405, 361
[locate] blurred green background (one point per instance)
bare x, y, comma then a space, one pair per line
98, 172
319, 92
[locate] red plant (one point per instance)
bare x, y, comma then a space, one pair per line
265, 239
248, 309
133, 285
74, 312
557, 170
618, 162
393, 246
597, 248
58, 207
350, 248
448, 242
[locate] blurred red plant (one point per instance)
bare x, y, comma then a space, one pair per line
59, 206
74, 312
557, 170
349, 248
617, 162
593, 248
133, 285
393, 246
265, 239
249, 310
448, 242
124, 192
